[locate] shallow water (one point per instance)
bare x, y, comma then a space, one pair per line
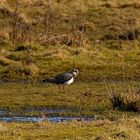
21, 119
40, 119
8, 116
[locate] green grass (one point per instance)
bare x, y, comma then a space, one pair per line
106, 64
88, 99
100, 63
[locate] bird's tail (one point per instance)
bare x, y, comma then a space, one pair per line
49, 80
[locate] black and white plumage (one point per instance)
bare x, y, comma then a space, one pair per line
63, 79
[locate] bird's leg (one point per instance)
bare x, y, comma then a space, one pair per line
59, 87
63, 87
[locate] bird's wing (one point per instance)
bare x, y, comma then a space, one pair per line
62, 78
49, 80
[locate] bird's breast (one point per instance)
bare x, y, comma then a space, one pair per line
70, 81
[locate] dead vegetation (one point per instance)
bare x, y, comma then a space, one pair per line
4, 61
125, 5
109, 5
129, 35
41, 24
6, 12
47, 32
129, 101
130, 5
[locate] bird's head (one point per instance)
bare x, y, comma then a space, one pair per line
75, 72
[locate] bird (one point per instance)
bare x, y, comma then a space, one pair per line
62, 79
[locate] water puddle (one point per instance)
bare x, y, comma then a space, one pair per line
40, 119
21, 119
9, 116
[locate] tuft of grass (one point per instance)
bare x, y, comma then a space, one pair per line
5, 61
21, 70
126, 101
17, 69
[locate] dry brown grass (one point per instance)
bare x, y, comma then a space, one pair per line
33, 69
4, 35
127, 101
129, 5
67, 14
124, 129
109, 5
5, 61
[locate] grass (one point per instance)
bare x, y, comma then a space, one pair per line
108, 60
47, 95
125, 129
108, 43
88, 98
126, 101
105, 64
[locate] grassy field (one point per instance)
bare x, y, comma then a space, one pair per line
88, 98
39, 39
83, 100
104, 33
124, 129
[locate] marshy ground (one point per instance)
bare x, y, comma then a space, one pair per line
82, 100
40, 39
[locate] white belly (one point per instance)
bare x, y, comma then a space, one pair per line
70, 81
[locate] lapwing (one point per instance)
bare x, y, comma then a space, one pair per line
63, 79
